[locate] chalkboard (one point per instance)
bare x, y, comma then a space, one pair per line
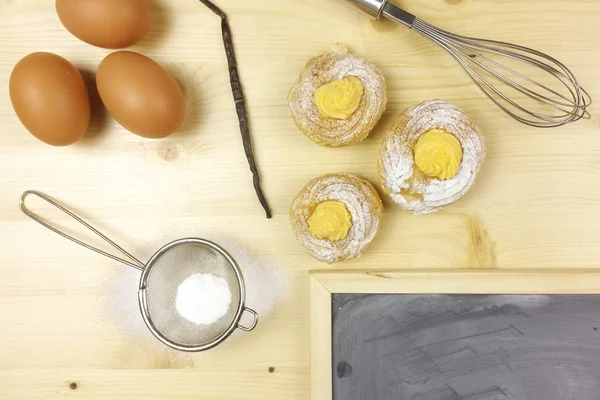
466, 347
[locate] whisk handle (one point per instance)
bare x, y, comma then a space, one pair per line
372, 7
379, 8
397, 14
135, 263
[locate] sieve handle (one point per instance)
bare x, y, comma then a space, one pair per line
254, 323
135, 263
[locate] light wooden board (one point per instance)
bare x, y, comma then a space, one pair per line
326, 283
534, 206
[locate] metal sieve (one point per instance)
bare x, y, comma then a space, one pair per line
160, 280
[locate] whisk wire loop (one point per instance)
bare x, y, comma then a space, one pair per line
471, 55
479, 58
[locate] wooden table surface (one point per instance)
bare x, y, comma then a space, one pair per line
536, 203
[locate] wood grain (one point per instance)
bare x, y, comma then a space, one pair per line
320, 340
534, 206
540, 281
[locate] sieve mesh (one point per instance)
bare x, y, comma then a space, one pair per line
171, 268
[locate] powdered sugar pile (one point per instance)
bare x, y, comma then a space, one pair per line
203, 299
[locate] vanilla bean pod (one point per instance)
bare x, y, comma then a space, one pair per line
240, 102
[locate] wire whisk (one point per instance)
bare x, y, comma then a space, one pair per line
554, 98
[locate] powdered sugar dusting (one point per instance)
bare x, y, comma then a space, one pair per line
267, 285
414, 191
363, 204
330, 67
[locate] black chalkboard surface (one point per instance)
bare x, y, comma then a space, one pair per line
466, 347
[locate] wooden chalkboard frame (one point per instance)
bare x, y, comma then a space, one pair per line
325, 283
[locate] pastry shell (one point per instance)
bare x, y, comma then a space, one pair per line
326, 68
400, 177
361, 200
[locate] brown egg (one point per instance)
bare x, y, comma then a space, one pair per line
112, 24
140, 94
49, 96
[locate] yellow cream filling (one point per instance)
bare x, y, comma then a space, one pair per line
330, 220
339, 99
438, 154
